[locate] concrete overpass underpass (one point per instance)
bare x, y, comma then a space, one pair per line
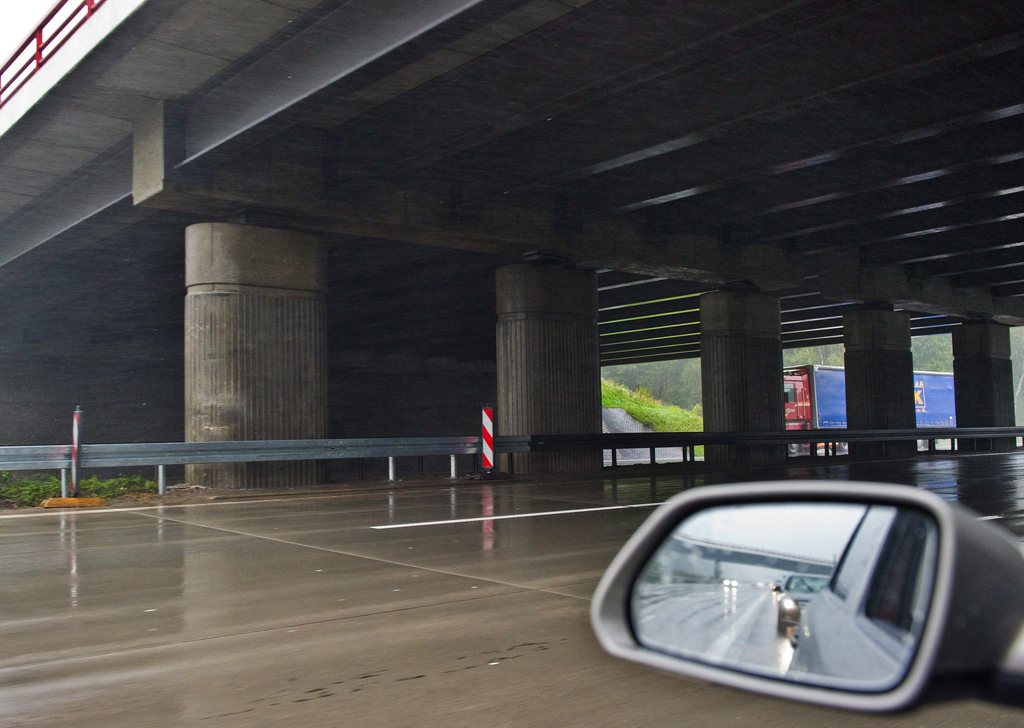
244, 219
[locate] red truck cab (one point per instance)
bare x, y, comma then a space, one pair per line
797, 389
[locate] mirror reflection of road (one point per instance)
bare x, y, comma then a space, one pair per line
715, 623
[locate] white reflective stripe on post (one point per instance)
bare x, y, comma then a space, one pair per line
455, 470
76, 452
391, 469
161, 479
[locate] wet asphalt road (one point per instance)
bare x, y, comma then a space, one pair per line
721, 624
299, 612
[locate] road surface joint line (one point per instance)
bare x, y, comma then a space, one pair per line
478, 519
340, 552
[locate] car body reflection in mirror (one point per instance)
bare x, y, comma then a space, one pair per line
873, 565
796, 593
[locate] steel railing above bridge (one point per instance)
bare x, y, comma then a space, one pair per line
66, 17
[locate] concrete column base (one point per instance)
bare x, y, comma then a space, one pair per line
879, 378
741, 373
983, 382
549, 376
255, 348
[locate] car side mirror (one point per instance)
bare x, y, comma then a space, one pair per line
847, 595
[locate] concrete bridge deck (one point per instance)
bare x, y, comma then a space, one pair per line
299, 611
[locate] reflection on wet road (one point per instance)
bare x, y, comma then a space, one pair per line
298, 612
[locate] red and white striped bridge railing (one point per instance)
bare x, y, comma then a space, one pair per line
49, 36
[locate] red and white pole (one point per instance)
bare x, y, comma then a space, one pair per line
76, 450
487, 435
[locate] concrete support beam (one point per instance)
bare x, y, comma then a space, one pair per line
692, 258
843, 277
286, 177
548, 366
741, 373
879, 377
255, 347
158, 143
287, 180
983, 381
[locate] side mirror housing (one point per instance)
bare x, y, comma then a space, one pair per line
883, 588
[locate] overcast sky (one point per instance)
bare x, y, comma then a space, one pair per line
815, 530
18, 18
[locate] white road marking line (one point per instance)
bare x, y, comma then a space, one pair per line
513, 515
990, 518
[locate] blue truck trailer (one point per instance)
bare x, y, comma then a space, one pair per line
816, 398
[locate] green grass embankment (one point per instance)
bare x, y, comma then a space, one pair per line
644, 408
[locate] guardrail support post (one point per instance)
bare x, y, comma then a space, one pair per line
63, 482
391, 469
454, 469
161, 479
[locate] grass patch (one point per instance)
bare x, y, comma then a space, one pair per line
33, 490
117, 487
644, 408
30, 491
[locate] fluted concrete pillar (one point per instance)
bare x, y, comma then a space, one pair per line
983, 381
255, 347
741, 373
549, 376
879, 378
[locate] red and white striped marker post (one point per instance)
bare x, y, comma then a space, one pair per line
76, 450
487, 435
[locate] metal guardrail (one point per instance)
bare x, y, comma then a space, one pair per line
35, 457
830, 438
66, 17
605, 441
162, 454
199, 453
123, 455
58, 457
